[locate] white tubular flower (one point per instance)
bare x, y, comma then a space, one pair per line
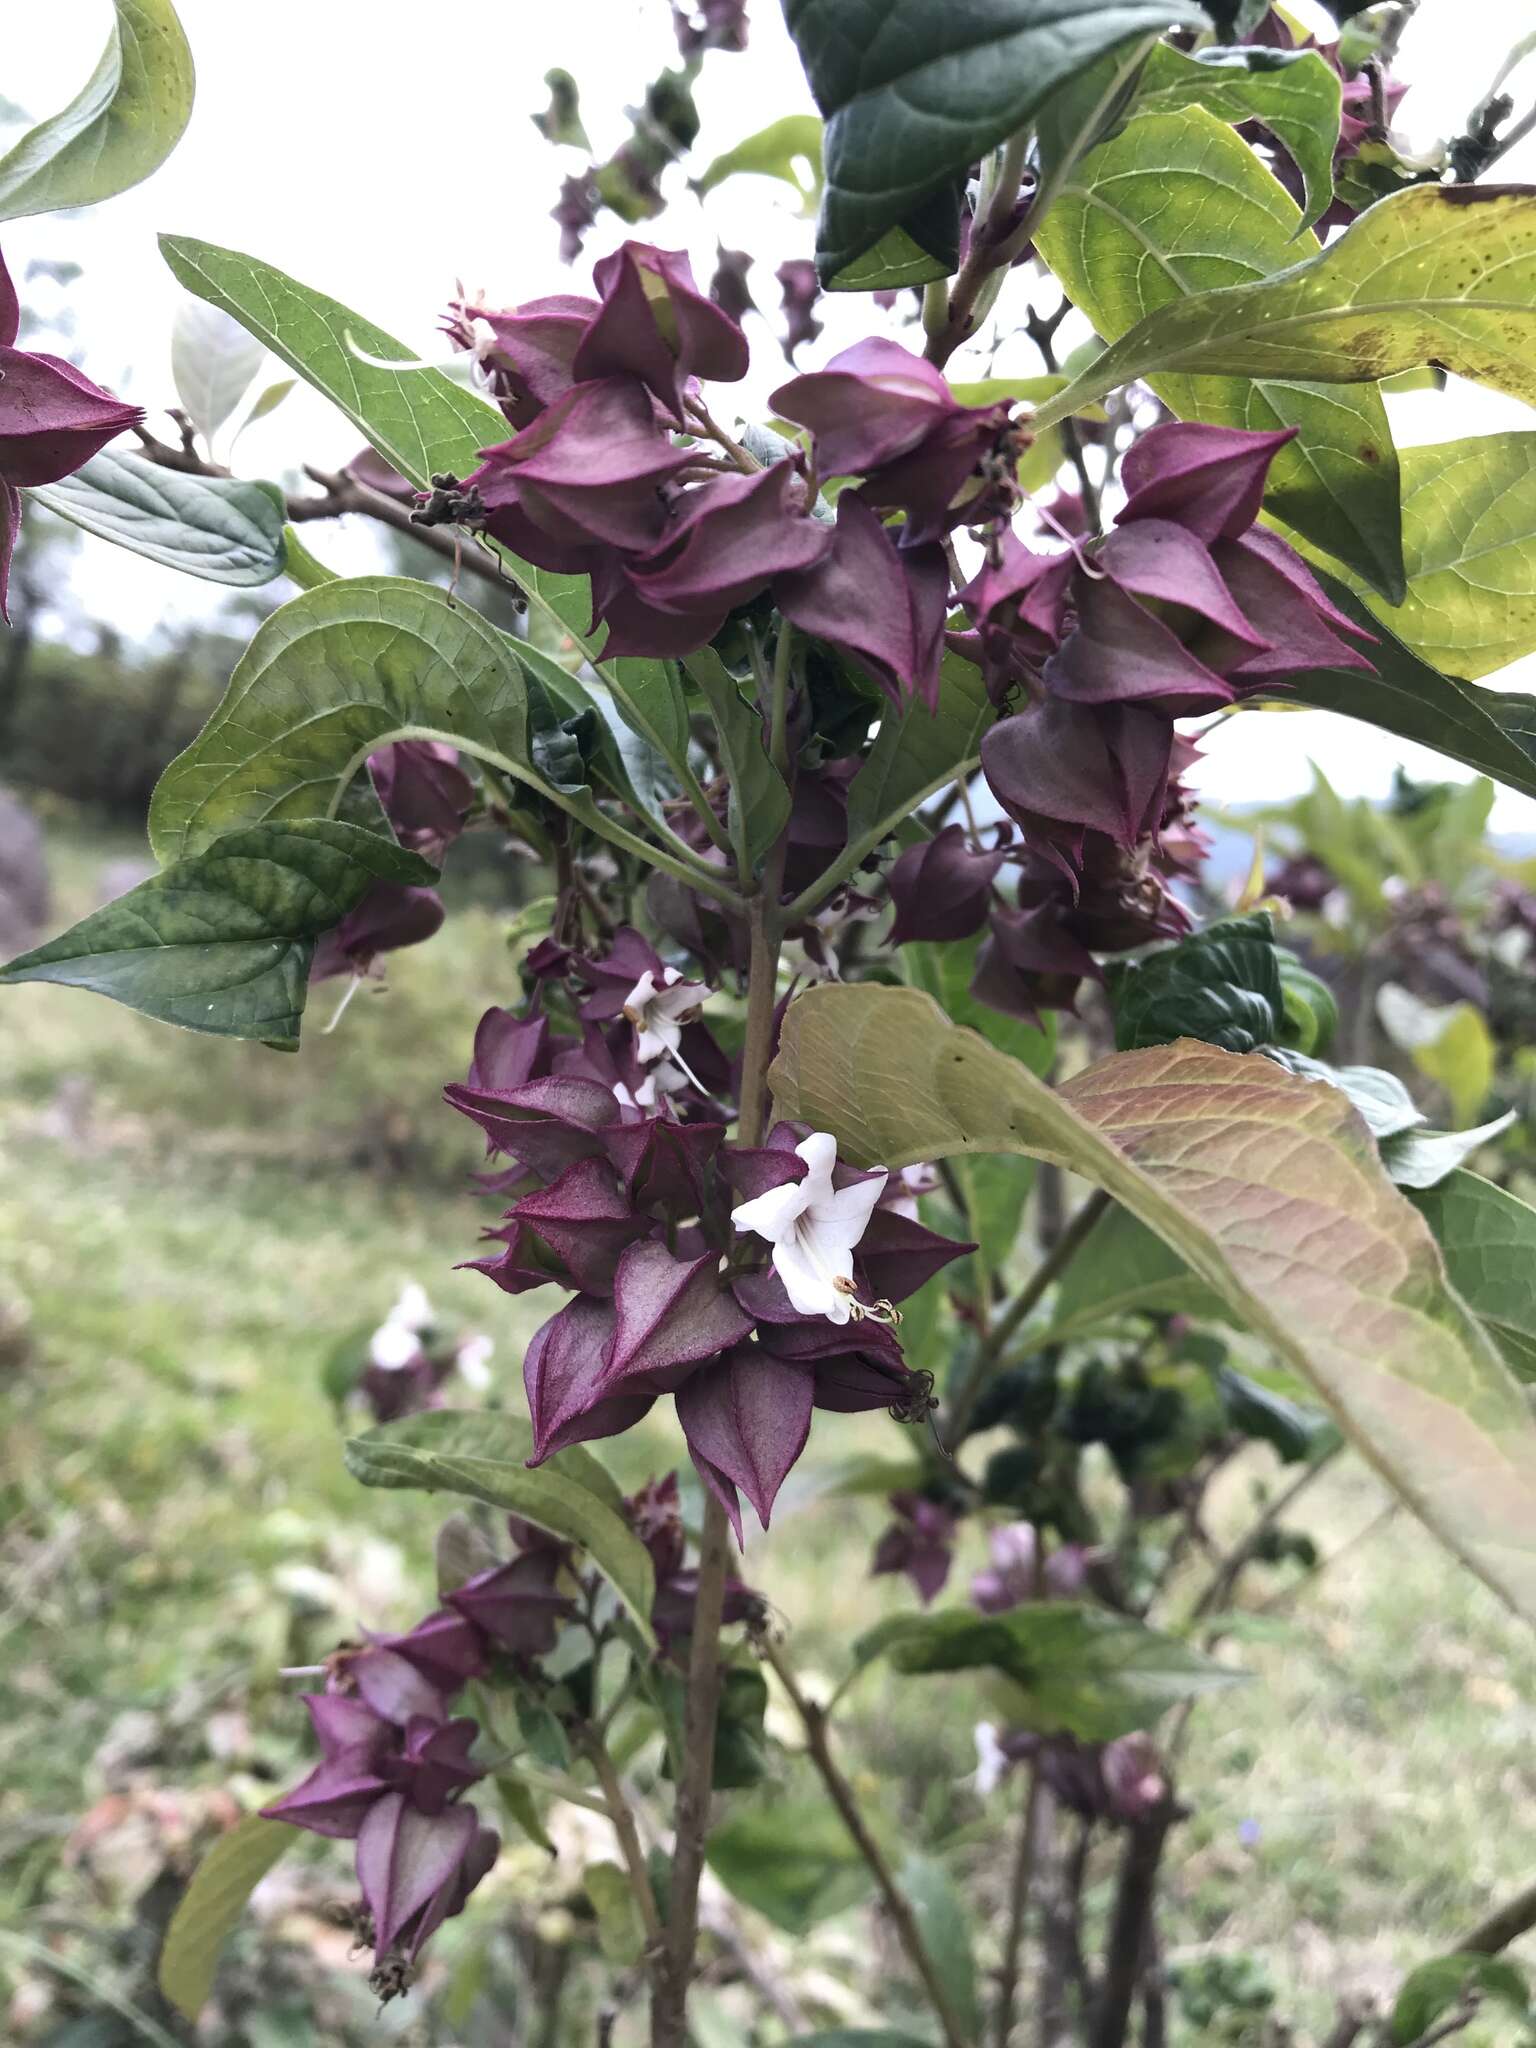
659, 1010
813, 1228
392, 1347
992, 1761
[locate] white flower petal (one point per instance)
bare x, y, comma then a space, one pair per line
808, 1283
819, 1151
846, 1215
392, 1347
773, 1215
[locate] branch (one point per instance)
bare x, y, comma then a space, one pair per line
622, 1816
1132, 1917
1231, 1569
1018, 1907
908, 1933
1503, 1925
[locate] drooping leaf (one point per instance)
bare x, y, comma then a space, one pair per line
1072, 1669
327, 679
1441, 274
1221, 985
788, 149
1294, 93
913, 94
1469, 549
1488, 1238
790, 1860
220, 528
759, 800
1422, 1159
630, 766
522, 1809
213, 360
917, 751
944, 1925
922, 248
221, 941
1437, 1988
1493, 731
123, 124
1172, 207
211, 1906
1268, 1188
484, 1457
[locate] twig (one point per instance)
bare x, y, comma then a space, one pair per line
839, 1791
1503, 1925
1289, 1595
1042, 332
1219, 1590
1355, 2015
622, 1816
1453, 2023
747, 463
1050, 1269
1132, 1915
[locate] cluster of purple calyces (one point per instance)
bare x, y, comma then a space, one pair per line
397, 1763
750, 1284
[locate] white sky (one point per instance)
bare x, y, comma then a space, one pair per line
379, 149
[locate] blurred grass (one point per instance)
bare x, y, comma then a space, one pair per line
188, 1226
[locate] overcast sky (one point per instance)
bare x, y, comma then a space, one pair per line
380, 149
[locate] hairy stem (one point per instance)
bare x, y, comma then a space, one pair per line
674, 1975
622, 1816
1013, 1317
908, 1933
674, 1971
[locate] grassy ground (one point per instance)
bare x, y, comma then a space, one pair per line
185, 1229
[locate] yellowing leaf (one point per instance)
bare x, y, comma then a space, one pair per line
1269, 1189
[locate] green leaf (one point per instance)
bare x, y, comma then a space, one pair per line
1149, 223
790, 1860
1220, 985
1493, 731
759, 800
1125, 1269
1488, 1239
327, 679
1260, 1412
122, 125
522, 1809
1422, 1159
789, 148
221, 941
1469, 548
484, 1457
741, 1746
213, 360
620, 1929
922, 248
217, 527
944, 1925
858, 2037
1342, 1278
301, 565
629, 766
211, 1906
913, 94
419, 420
917, 751
1437, 1988
1449, 1043
1071, 1669
1295, 93
1441, 274
1311, 1014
